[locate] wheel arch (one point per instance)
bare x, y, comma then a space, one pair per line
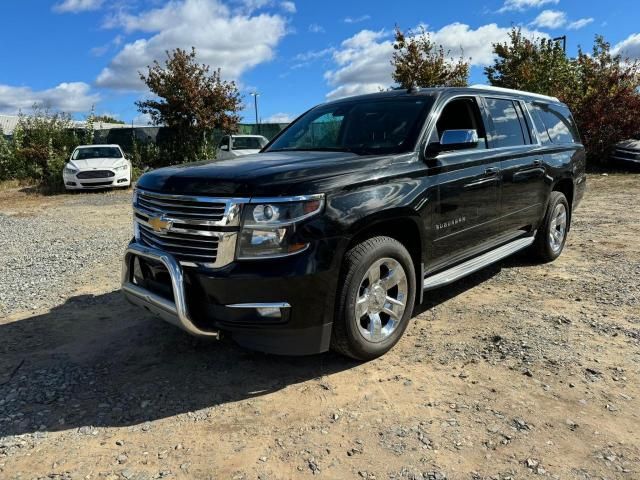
400, 225
566, 187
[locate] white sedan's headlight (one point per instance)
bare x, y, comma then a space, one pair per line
70, 170
269, 223
122, 168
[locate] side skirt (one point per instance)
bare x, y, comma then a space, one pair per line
477, 263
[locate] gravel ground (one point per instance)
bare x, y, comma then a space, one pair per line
519, 371
44, 253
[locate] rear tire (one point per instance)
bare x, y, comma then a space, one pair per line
552, 234
376, 299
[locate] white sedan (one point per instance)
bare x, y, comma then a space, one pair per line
234, 146
97, 166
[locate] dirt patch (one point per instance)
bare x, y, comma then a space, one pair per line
519, 371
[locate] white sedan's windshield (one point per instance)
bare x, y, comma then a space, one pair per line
96, 152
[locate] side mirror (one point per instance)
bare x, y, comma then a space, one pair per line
128, 156
455, 140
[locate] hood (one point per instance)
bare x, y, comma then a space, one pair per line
242, 153
264, 174
93, 163
629, 144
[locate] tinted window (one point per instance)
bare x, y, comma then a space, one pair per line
558, 122
537, 121
506, 123
364, 126
461, 114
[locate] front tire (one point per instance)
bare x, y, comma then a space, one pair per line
552, 235
376, 299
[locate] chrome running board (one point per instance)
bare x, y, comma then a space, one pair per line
470, 266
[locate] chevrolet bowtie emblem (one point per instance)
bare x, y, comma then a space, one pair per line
159, 224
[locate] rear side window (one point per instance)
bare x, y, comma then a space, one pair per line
506, 124
537, 121
558, 122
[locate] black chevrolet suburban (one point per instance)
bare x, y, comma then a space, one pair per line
330, 236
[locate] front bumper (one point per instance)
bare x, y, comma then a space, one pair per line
120, 179
285, 307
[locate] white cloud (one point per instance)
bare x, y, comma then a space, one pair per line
142, 119
70, 97
315, 28
520, 5
279, 118
629, 47
550, 19
288, 7
76, 6
313, 54
362, 18
363, 61
581, 23
233, 42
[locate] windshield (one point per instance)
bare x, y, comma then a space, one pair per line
371, 126
248, 143
96, 152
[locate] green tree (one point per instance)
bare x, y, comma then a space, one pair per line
420, 62
532, 64
602, 89
44, 140
7, 164
192, 101
89, 127
107, 119
605, 99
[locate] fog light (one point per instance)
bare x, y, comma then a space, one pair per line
270, 312
71, 184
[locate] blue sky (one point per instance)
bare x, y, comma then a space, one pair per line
72, 54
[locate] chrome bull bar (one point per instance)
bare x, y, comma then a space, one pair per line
175, 312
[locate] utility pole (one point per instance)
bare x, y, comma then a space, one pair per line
564, 42
255, 96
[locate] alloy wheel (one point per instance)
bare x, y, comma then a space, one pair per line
382, 300
558, 227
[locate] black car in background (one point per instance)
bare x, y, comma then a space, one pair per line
627, 152
331, 235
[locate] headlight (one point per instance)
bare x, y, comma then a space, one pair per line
121, 168
70, 170
268, 226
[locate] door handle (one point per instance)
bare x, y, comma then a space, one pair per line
492, 171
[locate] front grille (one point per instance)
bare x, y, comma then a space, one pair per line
185, 247
96, 174
195, 230
181, 208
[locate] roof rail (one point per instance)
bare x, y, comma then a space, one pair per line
512, 91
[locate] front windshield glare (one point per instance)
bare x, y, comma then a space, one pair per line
96, 152
372, 126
